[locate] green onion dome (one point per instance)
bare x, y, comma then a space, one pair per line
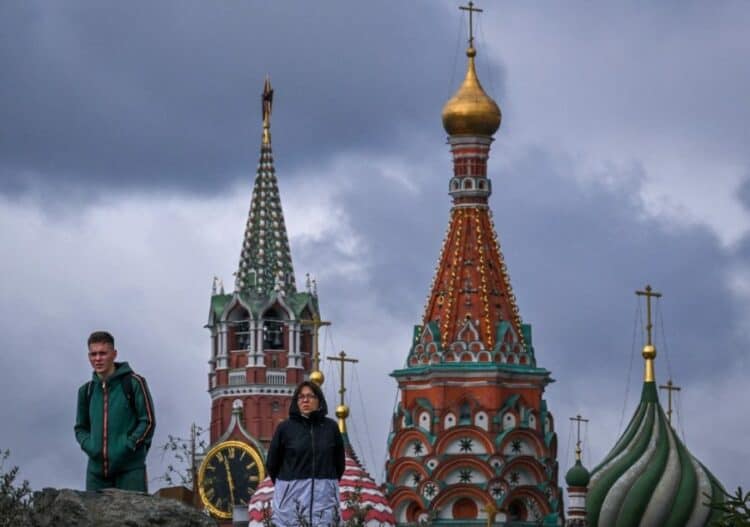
577, 476
650, 478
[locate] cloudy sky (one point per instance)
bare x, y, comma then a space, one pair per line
130, 136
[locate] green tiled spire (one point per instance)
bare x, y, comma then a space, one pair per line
265, 259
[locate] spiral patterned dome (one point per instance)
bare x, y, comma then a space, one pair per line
650, 478
371, 500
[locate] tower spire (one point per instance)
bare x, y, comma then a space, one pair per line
265, 258
649, 350
471, 283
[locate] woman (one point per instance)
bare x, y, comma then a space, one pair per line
306, 462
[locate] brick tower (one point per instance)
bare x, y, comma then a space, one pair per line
262, 333
472, 440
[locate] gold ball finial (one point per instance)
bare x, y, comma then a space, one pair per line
317, 377
471, 111
342, 411
649, 352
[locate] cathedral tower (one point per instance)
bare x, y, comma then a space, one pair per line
262, 333
472, 440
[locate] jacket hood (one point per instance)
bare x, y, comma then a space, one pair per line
322, 410
121, 368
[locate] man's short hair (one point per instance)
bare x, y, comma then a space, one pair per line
101, 336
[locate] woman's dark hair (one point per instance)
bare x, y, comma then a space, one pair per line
314, 387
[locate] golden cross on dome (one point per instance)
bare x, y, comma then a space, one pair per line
471, 9
649, 294
316, 323
670, 387
342, 359
578, 420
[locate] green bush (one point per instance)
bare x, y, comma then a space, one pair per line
15, 501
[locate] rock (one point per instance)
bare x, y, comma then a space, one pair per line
111, 508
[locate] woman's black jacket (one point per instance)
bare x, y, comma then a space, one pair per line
306, 447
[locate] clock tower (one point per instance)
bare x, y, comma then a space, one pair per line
262, 333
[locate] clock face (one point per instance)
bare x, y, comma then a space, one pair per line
228, 476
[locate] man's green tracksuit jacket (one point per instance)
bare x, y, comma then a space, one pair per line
115, 436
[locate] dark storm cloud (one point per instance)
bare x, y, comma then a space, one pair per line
168, 94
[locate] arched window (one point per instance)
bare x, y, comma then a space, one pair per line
273, 331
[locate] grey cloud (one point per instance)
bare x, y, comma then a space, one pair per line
168, 95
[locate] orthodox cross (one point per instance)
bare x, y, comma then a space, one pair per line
342, 359
670, 387
471, 9
578, 419
316, 323
648, 293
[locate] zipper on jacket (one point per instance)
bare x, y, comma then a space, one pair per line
312, 489
104, 428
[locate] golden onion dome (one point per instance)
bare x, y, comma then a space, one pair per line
317, 377
471, 111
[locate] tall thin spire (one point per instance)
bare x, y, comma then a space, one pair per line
266, 260
471, 283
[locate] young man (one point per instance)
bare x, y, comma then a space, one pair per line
115, 420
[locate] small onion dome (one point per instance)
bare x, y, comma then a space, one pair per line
577, 476
650, 478
371, 501
471, 111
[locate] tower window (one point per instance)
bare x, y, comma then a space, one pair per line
241, 335
465, 417
273, 337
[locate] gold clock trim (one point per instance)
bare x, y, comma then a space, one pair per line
250, 449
